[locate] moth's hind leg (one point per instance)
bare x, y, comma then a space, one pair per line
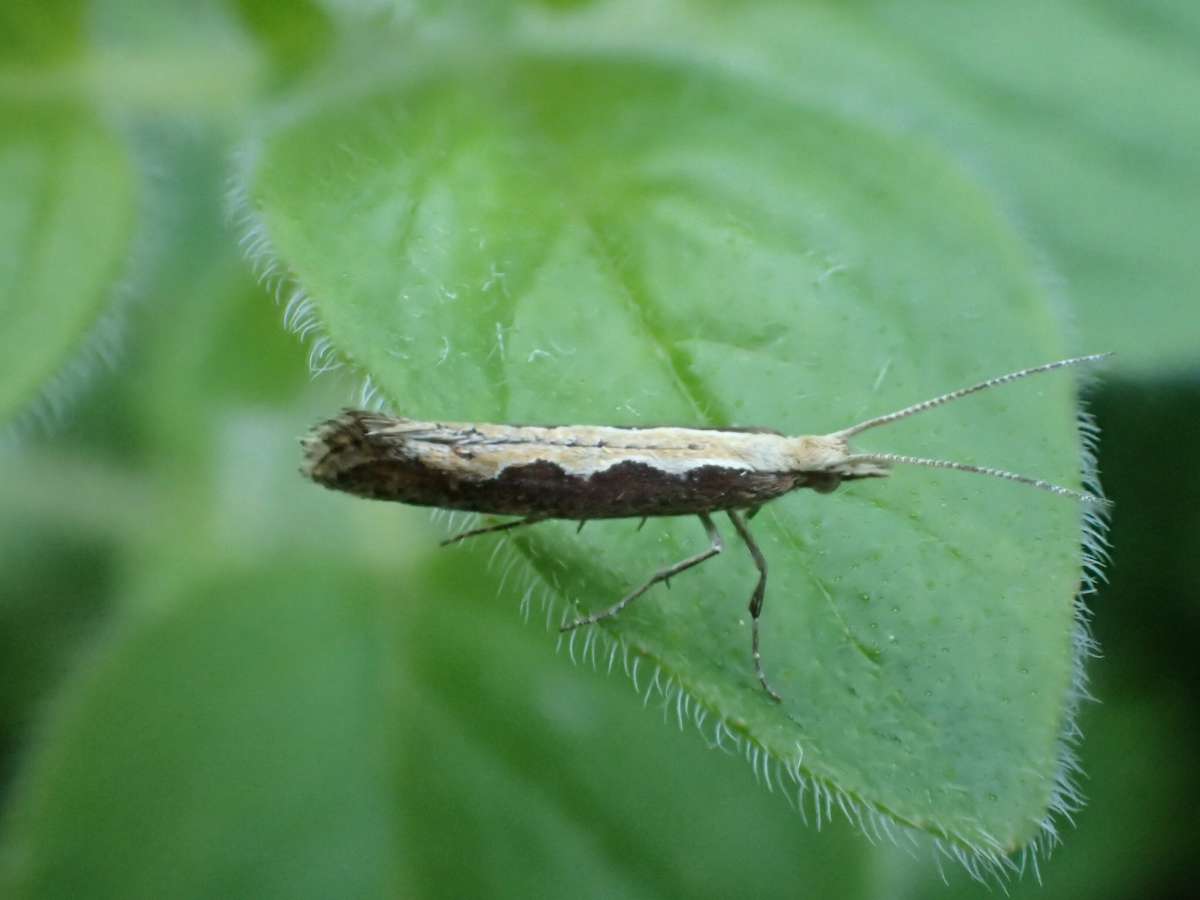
716, 545
489, 529
756, 599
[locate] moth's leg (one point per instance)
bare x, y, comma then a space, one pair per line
756, 599
488, 529
716, 545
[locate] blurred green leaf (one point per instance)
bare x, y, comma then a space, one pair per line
65, 230
40, 30
175, 796
1086, 113
297, 33
53, 595
533, 237
1079, 116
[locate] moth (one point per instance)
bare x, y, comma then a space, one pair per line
583, 472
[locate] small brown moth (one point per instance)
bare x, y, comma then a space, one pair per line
582, 472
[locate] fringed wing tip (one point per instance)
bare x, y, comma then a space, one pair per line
330, 440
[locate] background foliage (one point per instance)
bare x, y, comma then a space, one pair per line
183, 712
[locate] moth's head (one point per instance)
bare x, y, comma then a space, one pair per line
823, 462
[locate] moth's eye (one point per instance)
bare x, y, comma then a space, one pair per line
823, 482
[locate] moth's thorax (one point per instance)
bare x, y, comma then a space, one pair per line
816, 453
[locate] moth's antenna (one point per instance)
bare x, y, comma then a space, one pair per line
846, 433
895, 458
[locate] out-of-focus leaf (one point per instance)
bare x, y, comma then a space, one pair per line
296, 33
37, 31
234, 748
65, 230
52, 595
1079, 114
1086, 111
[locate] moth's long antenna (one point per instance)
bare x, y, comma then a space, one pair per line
846, 433
895, 458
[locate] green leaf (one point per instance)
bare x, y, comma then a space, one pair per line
40, 30
533, 237
174, 790
65, 230
295, 33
